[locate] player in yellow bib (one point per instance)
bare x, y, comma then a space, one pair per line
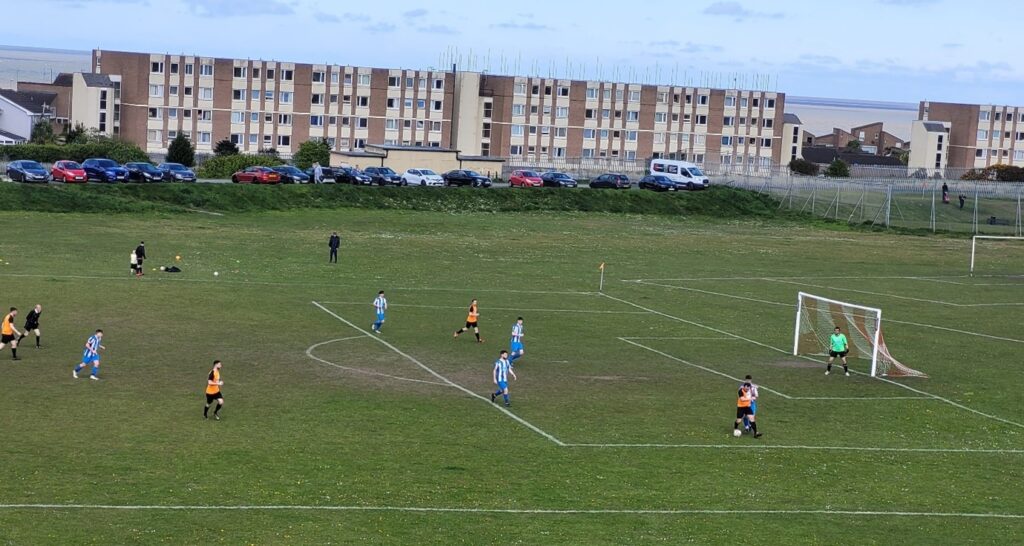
472, 322
838, 347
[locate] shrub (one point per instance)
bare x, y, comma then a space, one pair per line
312, 151
223, 166
118, 150
181, 151
225, 147
838, 169
804, 167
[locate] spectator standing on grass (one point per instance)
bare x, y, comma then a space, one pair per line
140, 254
945, 193
334, 242
318, 173
962, 199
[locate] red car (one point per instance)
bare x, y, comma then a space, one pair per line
68, 171
256, 175
525, 179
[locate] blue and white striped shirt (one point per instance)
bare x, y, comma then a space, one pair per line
381, 304
92, 346
501, 369
517, 333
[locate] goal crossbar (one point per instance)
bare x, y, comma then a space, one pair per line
974, 244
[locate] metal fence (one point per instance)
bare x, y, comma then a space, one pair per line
980, 207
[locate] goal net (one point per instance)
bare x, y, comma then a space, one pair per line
997, 256
817, 317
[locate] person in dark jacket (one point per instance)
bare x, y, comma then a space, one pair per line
140, 255
334, 242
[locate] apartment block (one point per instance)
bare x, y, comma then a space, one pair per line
980, 135
270, 104
92, 100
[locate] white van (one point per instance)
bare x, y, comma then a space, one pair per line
684, 174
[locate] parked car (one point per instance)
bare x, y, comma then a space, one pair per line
176, 172
684, 174
27, 171
461, 177
68, 171
611, 180
351, 175
657, 182
383, 176
525, 179
328, 173
143, 172
291, 174
104, 170
256, 175
421, 177
557, 180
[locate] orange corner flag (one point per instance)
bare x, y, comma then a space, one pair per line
601, 267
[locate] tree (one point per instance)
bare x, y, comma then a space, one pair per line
853, 146
76, 135
804, 167
181, 151
225, 147
312, 151
42, 132
838, 169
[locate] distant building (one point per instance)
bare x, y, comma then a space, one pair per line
92, 100
402, 158
871, 138
979, 135
929, 155
861, 163
792, 138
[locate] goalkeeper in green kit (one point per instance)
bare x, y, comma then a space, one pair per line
838, 347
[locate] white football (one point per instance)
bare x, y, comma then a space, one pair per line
215, 274
737, 432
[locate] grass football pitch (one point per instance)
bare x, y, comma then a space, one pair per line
621, 417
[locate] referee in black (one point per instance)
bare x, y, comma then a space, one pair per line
334, 242
32, 325
140, 253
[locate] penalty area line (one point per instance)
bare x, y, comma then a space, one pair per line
523, 511
447, 381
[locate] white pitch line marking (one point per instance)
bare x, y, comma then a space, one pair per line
785, 352
447, 381
755, 447
524, 511
463, 307
309, 353
694, 338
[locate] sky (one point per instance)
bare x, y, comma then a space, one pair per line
885, 50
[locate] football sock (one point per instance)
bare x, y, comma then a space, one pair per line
217, 410
497, 392
79, 367
846, 369
753, 427
206, 411
736, 425
514, 357
95, 371
37, 340
505, 396
478, 336
14, 352
828, 368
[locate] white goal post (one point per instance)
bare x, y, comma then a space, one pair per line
974, 244
816, 317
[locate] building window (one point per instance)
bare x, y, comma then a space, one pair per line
421, 103
563, 91
439, 105
766, 143
316, 121
236, 138
769, 103
631, 136
982, 134
205, 93
488, 109
332, 120
206, 69
702, 120
979, 153
268, 118
287, 75
435, 126
270, 74
591, 93
420, 124
205, 137
237, 117
1018, 155
254, 117
422, 83
984, 115
559, 152
394, 81
728, 121
268, 95
362, 102
238, 94
632, 115
515, 150
702, 100
768, 123
727, 141
255, 73
252, 139
173, 90
316, 98
662, 97
391, 124
519, 89
730, 102
189, 68
438, 83
239, 71
588, 153
157, 67
631, 154
319, 77
186, 113
588, 134
392, 103
172, 113
485, 131
156, 91
561, 132
153, 136
408, 103
562, 112
286, 97
284, 119
155, 113
284, 140
660, 117
363, 123
364, 79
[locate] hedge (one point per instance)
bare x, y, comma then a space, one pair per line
226, 165
119, 151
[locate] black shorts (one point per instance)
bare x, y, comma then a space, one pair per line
839, 354
471, 325
743, 412
213, 397
31, 326
7, 338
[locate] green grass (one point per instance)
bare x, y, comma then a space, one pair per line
300, 432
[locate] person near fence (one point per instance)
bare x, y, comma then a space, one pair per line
962, 200
318, 173
945, 193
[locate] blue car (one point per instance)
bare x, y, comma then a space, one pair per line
27, 171
104, 170
657, 182
176, 172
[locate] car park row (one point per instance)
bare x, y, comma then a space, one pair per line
665, 175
